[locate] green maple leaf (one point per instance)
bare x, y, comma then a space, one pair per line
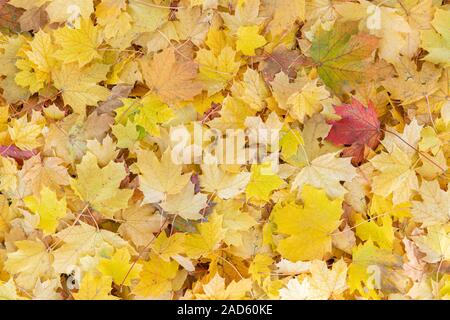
341, 54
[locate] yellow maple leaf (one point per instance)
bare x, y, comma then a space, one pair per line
260, 267
153, 113
434, 208
49, 209
100, 186
249, 39
252, 90
234, 112
321, 285
216, 70
216, 289
95, 287
396, 175
308, 226
437, 41
220, 182
9, 180
156, 277
159, 178
82, 240
168, 247
308, 101
379, 231
8, 291
29, 262
208, 239
186, 204
286, 13
79, 44
119, 268
236, 222
369, 268
79, 86
436, 244
37, 63
25, 133
126, 135
246, 13
326, 172
262, 182
48, 172
170, 79
138, 223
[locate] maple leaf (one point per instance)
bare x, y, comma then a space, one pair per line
159, 178
249, 40
79, 241
222, 183
169, 247
118, 266
149, 113
232, 115
341, 54
437, 41
358, 127
296, 290
396, 175
216, 70
33, 19
436, 244
156, 277
251, 90
126, 134
10, 15
25, 133
310, 236
246, 13
138, 223
49, 209
216, 289
38, 173
379, 231
322, 284
105, 151
281, 60
286, 13
8, 291
260, 267
209, 236
100, 186
309, 101
79, 86
412, 84
434, 209
262, 182
326, 172
360, 272
29, 262
290, 142
36, 68
236, 223
95, 287
186, 204
170, 79
80, 44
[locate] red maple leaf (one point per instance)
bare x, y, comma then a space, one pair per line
16, 153
357, 129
